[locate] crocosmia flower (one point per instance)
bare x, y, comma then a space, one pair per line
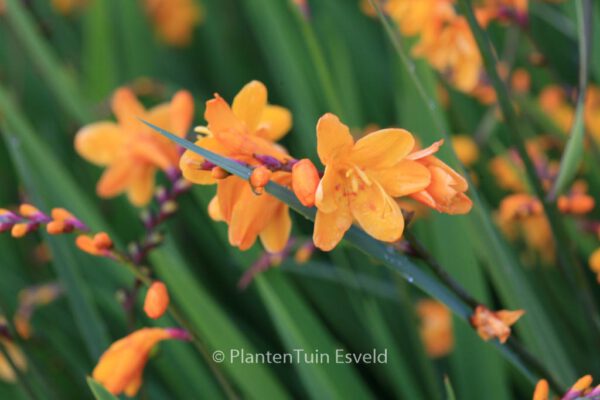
120, 368
361, 180
494, 324
130, 151
246, 132
174, 20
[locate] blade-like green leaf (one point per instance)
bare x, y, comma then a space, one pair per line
99, 391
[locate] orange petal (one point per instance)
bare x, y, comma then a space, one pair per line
127, 109
229, 190
154, 153
331, 227
330, 192
276, 234
248, 105
115, 179
333, 138
377, 213
427, 151
383, 148
221, 118
182, 112
214, 210
541, 390
100, 143
274, 123
402, 179
141, 186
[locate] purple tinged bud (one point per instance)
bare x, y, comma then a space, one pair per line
179, 334
207, 165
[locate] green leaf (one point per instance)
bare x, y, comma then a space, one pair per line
573, 155
99, 391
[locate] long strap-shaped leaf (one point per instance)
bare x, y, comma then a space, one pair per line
374, 248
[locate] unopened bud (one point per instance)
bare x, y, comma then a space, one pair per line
305, 180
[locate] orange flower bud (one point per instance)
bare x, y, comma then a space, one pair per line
520, 81
576, 204
436, 327
60, 214
97, 245
28, 211
56, 227
490, 324
305, 180
219, 173
19, 230
22, 326
157, 300
260, 177
541, 390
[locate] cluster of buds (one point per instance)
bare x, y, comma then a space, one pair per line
99, 244
582, 389
494, 324
29, 219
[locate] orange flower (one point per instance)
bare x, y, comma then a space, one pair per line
305, 180
553, 101
520, 81
120, 368
577, 201
157, 300
592, 111
246, 132
466, 149
174, 20
446, 190
436, 327
414, 16
582, 389
66, 7
131, 151
507, 174
494, 324
360, 181
594, 263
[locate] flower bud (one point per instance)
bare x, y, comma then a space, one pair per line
219, 173
260, 177
305, 180
157, 300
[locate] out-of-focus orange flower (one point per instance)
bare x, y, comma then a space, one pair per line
507, 174
436, 327
304, 252
592, 111
174, 20
520, 81
360, 181
7, 372
554, 102
525, 212
594, 263
121, 367
246, 131
131, 151
494, 324
157, 300
98, 245
466, 149
305, 180
446, 190
577, 201
580, 390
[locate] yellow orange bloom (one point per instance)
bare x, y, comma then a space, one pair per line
592, 111
121, 367
520, 81
507, 174
466, 149
7, 373
577, 201
494, 324
436, 327
360, 181
446, 190
157, 300
131, 151
174, 20
244, 131
305, 180
66, 7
